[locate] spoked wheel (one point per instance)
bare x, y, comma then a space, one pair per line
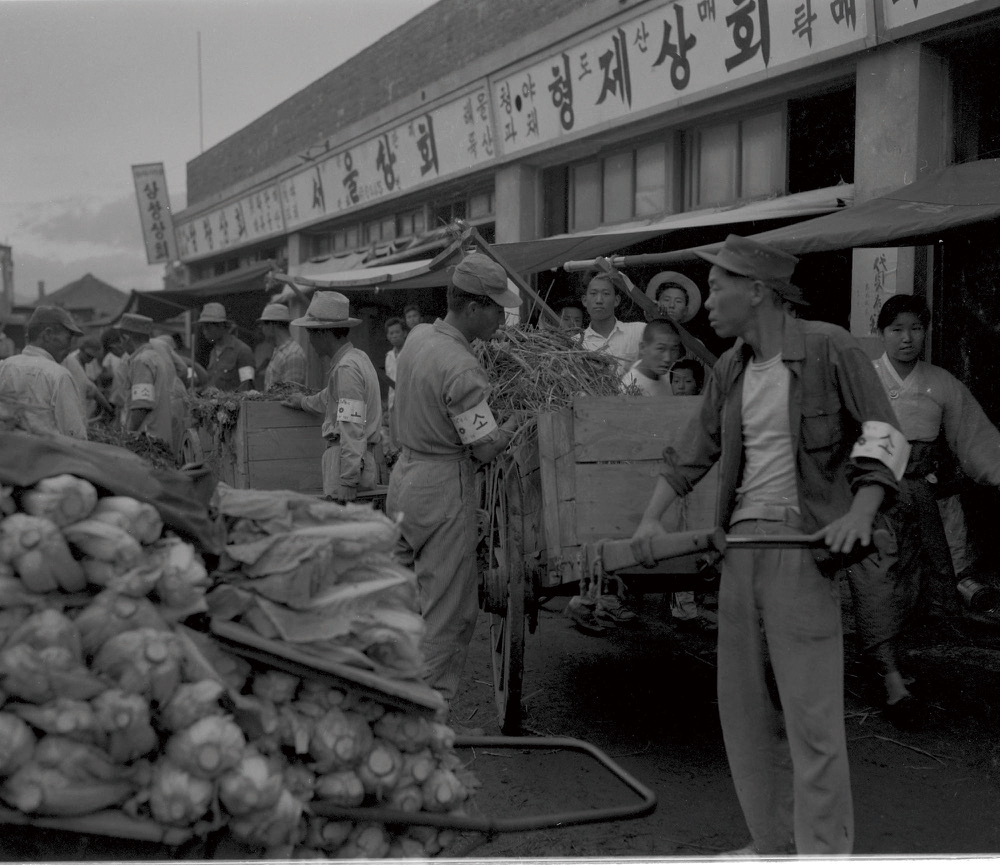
503, 590
191, 449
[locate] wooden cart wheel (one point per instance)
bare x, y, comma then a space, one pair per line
504, 592
191, 449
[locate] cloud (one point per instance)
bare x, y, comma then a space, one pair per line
69, 222
123, 270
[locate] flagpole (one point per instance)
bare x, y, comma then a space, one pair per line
201, 121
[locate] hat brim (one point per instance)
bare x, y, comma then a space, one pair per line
313, 323
73, 329
798, 299
508, 300
212, 321
675, 278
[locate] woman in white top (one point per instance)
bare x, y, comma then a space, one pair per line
943, 423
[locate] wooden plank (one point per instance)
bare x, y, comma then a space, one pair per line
304, 475
547, 478
264, 414
240, 477
629, 427
284, 443
611, 498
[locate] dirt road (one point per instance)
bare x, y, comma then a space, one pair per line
646, 696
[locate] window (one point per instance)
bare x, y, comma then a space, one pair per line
620, 187
481, 206
736, 160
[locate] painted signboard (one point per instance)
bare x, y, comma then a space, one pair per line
154, 212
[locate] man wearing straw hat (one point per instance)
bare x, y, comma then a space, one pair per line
149, 381
288, 360
351, 405
806, 442
443, 424
231, 364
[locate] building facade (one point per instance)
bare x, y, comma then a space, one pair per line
535, 118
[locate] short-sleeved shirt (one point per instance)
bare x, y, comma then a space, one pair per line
622, 342
150, 385
287, 364
649, 386
438, 379
230, 364
45, 391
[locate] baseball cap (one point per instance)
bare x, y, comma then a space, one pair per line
479, 274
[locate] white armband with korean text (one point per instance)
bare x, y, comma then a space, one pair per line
475, 424
883, 442
351, 410
142, 393
246, 373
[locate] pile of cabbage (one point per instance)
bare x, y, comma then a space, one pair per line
110, 704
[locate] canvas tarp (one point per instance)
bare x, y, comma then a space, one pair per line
914, 215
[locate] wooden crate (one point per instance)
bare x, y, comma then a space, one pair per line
597, 469
275, 448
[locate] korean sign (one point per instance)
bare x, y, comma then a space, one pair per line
448, 139
897, 13
666, 55
154, 212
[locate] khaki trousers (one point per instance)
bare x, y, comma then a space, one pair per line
787, 751
331, 471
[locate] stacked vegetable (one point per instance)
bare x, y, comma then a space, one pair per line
109, 703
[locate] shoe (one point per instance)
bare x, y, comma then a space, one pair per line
905, 714
696, 625
580, 613
612, 610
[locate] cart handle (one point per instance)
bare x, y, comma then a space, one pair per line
493, 826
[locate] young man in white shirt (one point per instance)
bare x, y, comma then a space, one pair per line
606, 333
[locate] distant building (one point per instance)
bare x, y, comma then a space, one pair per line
88, 299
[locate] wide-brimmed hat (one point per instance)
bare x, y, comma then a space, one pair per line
53, 315
135, 323
672, 277
275, 312
327, 309
747, 257
479, 274
212, 313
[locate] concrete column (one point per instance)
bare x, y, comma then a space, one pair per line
902, 131
518, 197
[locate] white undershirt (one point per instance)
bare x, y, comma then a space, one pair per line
769, 469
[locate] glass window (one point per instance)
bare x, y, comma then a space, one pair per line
585, 201
651, 180
618, 195
481, 205
763, 152
419, 221
715, 165
351, 241
339, 240
388, 228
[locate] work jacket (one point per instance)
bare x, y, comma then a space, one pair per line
833, 390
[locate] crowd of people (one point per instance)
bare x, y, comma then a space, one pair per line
811, 437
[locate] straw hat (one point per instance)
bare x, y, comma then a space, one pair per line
275, 312
672, 277
212, 313
135, 323
327, 309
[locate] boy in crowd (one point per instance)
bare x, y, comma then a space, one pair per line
686, 377
570, 315
659, 348
395, 332
412, 316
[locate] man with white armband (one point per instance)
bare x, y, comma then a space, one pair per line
231, 363
807, 443
351, 404
444, 426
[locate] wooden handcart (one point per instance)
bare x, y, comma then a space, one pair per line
550, 503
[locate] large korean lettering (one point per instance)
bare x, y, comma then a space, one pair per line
319, 196
385, 162
507, 104
680, 66
351, 178
706, 10
745, 28
224, 227
561, 89
241, 223
804, 20
844, 11
206, 227
614, 65
427, 146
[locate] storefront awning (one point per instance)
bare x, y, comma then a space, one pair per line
531, 256
914, 215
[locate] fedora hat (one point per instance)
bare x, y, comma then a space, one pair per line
54, 315
327, 309
745, 256
479, 274
275, 312
135, 323
672, 277
212, 313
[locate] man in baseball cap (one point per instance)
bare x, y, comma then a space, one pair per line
805, 439
351, 404
288, 360
231, 363
444, 425
36, 380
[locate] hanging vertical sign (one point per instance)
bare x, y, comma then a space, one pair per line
154, 212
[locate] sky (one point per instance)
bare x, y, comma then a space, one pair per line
89, 88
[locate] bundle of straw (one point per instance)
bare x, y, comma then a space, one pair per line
532, 369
